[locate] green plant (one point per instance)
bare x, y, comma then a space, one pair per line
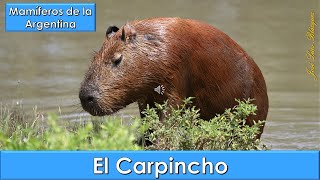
23, 134
182, 128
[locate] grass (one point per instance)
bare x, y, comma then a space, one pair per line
181, 130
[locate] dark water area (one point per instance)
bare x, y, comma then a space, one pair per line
46, 69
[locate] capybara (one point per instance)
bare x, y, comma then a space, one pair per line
187, 57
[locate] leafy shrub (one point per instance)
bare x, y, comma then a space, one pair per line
182, 128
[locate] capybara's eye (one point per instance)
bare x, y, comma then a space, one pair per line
116, 60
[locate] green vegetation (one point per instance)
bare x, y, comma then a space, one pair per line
19, 133
181, 130
184, 130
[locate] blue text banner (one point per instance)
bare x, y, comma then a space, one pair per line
160, 165
50, 17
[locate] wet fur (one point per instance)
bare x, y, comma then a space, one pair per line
189, 58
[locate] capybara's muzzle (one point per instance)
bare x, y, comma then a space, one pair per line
89, 96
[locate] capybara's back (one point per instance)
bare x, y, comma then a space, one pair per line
187, 58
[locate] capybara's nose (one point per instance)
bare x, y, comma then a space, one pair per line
88, 96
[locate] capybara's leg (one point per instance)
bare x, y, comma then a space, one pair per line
261, 101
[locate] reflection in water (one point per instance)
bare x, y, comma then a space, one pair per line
45, 69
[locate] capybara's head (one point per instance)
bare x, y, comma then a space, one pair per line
118, 74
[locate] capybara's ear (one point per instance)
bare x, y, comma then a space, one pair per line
128, 33
111, 30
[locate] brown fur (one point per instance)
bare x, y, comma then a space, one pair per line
189, 58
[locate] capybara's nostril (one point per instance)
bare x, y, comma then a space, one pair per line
87, 97
90, 99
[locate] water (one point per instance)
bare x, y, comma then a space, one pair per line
45, 69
